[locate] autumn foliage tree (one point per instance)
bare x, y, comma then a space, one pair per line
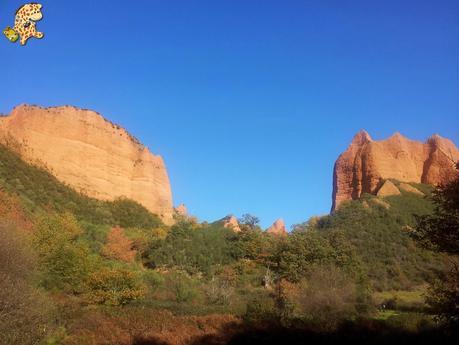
12, 212
118, 246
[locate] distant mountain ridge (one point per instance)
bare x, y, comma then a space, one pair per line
367, 163
89, 153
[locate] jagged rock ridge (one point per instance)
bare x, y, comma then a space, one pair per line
89, 153
367, 163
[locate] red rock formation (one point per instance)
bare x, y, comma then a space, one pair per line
367, 163
90, 154
278, 228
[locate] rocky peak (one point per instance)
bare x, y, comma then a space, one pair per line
362, 137
278, 228
367, 163
231, 222
94, 156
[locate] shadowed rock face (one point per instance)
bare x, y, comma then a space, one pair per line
90, 154
366, 163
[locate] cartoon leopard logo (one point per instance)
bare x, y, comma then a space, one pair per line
25, 23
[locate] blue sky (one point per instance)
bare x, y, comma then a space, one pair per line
250, 102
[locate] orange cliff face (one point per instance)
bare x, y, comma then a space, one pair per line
366, 163
89, 153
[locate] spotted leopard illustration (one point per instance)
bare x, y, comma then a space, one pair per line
25, 25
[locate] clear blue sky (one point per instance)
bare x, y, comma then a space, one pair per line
249, 101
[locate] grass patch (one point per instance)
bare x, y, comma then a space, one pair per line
385, 314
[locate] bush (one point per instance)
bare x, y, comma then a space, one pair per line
129, 213
327, 297
25, 312
114, 287
411, 322
152, 280
391, 303
219, 290
12, 212
182, 286
443, 297
260, 309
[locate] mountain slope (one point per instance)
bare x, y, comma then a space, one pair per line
39, 190
378, 228
89, 153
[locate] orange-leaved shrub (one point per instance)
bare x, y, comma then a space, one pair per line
118, 246
12, 212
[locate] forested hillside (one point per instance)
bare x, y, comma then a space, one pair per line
38, 190
112, 270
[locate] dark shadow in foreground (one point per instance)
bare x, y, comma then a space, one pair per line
356, 335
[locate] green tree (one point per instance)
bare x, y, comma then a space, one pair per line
64, 259
440, 232
193, 248
302, 250
248, 221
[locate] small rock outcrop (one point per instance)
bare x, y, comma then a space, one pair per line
92, 155
181, 210
278, 228
410, 189
388, 189
367, 163
231, 222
